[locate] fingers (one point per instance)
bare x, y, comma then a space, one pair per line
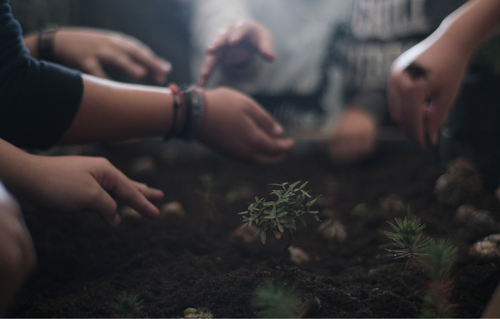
159, 68
117, 184
93, 67
207, 68
264, 120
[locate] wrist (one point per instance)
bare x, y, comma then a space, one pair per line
46, 43
189, 109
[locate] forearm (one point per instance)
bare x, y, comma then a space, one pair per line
31, 43
112, 111
471, 24
15, 167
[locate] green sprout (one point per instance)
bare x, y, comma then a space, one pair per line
281, 214
127, 306
408, 239
275, 301
438, 259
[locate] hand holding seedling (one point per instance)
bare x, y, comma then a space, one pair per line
235, 47
425, 79
281, 214
235, 125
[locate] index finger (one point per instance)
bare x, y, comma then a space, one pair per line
209, 64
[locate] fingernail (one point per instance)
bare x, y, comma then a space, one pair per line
277, 130
166, 66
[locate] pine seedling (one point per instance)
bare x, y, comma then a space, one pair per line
127, 306
281, 214
408, 239
438, 261
209, 208
275, 301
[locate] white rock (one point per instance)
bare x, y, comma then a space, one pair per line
485, 248
172, 208
333, 229
143, 165
298, 256
247, 233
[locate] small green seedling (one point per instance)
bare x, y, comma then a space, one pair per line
275, 301
281, 214
438, 259
408, 239
127, 306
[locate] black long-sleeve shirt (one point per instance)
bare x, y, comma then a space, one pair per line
38, 100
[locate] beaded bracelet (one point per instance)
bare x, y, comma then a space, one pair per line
46, 43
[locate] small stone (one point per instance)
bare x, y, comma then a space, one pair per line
486, 248
143, 165
392, 204
464, 212
298, 256
481, 218
172, 208
197, 313
129, 212
247, 233
333, 229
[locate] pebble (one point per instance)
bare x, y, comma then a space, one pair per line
172, 208
392, 204
487, 247
333, 229
464, 212
298, 256
247, 233
481, 218
143, 165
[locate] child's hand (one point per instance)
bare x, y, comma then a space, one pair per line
17, 255
89, 50
77, 183
354, 137
236, 46
237, 126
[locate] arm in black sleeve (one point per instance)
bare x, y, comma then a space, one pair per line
38, 100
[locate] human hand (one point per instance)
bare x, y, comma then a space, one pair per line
354, 137
235, 47
237, 126
77, 183
17, 254
89, 50
423, 85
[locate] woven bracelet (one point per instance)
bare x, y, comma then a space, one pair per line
175, 91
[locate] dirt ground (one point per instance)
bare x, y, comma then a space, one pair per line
179, 262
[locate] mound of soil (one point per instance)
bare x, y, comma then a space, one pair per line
193, 261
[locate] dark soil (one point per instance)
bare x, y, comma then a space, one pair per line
176, 263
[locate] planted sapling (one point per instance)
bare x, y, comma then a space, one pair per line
127, 306
437, 261
281, 214
408, 239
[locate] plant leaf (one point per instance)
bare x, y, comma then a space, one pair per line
263, 237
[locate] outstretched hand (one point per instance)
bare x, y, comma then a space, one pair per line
89, 50
236, 46
77, 183
423, 85
237, 126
